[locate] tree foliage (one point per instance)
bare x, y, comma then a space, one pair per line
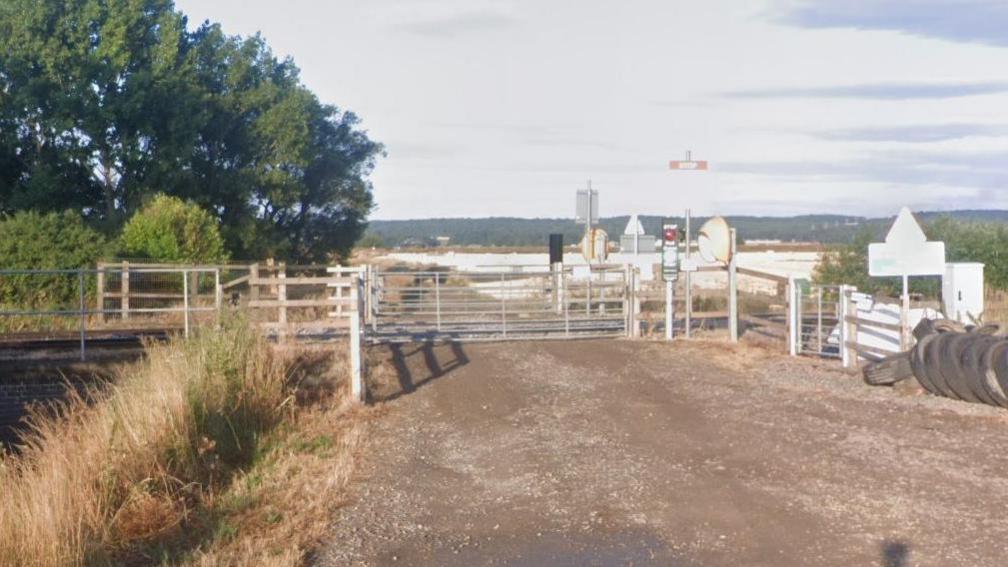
965, 241
983, 242
34, 241
104, 103
169, 229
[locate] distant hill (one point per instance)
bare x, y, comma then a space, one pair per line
512, 231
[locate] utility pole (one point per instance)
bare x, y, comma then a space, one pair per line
689, 164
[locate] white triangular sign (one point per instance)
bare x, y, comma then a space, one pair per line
906, 230
634, 226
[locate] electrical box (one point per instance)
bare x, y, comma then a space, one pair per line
963, 291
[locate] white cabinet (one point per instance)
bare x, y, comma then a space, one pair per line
963, 291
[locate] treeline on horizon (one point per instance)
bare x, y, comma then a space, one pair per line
511, 231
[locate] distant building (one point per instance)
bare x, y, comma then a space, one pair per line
442, 240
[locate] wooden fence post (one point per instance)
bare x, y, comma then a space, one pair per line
357, 391
282, 299
125, 291
100, 291
253, 284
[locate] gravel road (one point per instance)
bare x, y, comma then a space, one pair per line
640, 453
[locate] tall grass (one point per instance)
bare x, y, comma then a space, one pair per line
136, 476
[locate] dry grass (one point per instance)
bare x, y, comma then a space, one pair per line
219, 450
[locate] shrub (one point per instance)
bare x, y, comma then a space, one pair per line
169, 229
32, 241
139, 474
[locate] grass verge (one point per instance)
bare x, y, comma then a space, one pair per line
218, 450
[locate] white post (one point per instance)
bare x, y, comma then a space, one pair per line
503, 307
83, 312
669, 308
185, 300
437, 298
733, 316
566, 304
218, 291
819, 321
688, 278
845, 328
905, 316
357, 394
794, 324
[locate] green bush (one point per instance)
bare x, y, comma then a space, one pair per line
984, 242
33, 241
965, 241
169, 229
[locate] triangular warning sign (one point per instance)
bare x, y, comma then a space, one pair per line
906, 230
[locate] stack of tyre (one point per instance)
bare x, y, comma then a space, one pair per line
969, 364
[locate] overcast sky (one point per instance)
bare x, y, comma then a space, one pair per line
506, 107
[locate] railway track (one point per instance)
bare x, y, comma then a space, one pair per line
71, 341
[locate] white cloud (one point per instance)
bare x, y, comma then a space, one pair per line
506, 108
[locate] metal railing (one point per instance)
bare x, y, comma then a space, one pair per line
68, 304
496, 304
814, 318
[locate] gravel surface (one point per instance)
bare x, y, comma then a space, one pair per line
641, 453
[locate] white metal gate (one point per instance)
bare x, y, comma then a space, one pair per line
496, 303
816, 310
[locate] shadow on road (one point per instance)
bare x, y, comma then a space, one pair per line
416, 364
895, 554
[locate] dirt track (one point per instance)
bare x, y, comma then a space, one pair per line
617, 452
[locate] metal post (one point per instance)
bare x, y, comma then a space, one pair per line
503, 307
799, 318
83, 312
635, 305
588, 298
905, 316
819, 322
689, 278
566, 305
669, 308
185, 300
793, 328
437, 298
733, 316
842, 310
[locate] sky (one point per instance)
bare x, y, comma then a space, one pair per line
508, 107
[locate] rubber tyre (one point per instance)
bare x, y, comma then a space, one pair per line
952, 368
932, 365
991, 356
972, 365
917, 363
888, 371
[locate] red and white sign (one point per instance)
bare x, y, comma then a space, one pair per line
700, 165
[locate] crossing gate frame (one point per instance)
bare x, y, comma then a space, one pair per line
500, 303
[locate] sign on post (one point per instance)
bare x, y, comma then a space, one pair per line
906, 251
587, 211
670, 252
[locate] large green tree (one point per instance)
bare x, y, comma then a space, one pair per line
104, 103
